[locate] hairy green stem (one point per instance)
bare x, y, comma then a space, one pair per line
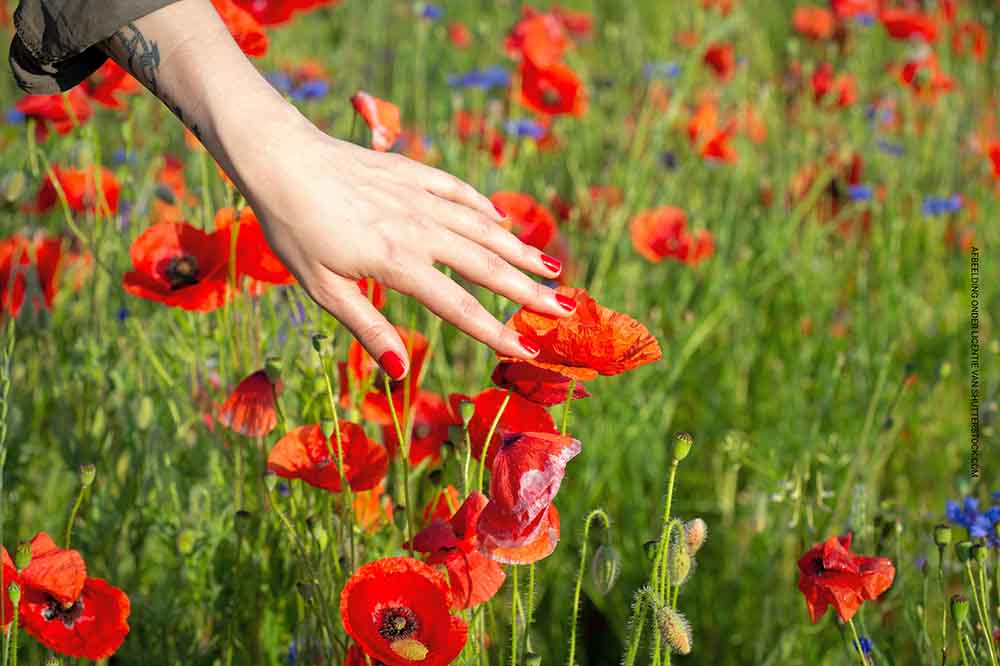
489, 437
599, 514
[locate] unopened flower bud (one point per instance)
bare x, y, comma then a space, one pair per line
270, 481
650, 548
241, 521
87, 475
272, 367
604, 568
330, 432
532, 659
963, 550
678, 562
682, 445
942, 535
959, 609
674, 629
317, 342
14, 593
22, 556
52, 660
979, 553
467, 410
695, 533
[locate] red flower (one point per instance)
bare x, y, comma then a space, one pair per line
459, 35
578, 24
244, 28
845, 9
397, 610
108, 82
519, 543
593, 341
15, 258
66, 611
8, 575
373, 291
305, 454
250, 408
906, 24
814, 22
53, 259
431, 419
830, 575
474, 579
442, 507
63, 114
470, 127
924, 77
362, 373
520, 415
721, 58
555, 90
529, 220
537, 38
662, 232
254, 257
992, 151
372, 508
970, 36
180, 266
80, 189
382, 118
273, 12
540, 385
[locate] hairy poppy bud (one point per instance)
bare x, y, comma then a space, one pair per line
942, 535
317, 342
272, 367
604, 568
52, 660
959, 608
330, 432
22, 556
963, 550
979, 553
682, 445
678, 562
695, 533
14, 185
674, 629
87, 475
14, 593
650, 548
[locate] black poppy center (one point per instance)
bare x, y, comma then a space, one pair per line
508, 438
182, 271
67, 614
550, 96
398, 623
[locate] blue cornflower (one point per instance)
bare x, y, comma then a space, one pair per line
285, 490
894, 149
942, 205
525, 127
668, 160
432, 12
310, 89
14, 117
122, 314
859, 192
124, 215
979, 523
864, 19
493, 76
280, 80
661, 70
298, 313
866, 645
293, 653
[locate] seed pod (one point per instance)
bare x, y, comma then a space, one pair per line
979, 553
682, 445
317, 342
674, 629
695, 533
22, 556
14, 593
87, 475
14, 185
942, 535
604, 568
650, 548
467, 410
963, 550
959, 609
52, 660
678, 562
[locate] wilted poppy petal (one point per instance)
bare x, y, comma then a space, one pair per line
250, 408
382, 118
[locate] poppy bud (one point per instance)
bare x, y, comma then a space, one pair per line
695, 533
979, 553
270, 481
319, 533
14, 185
942, 535
52, 660
272, 367
959, 609
87, 475
317, 342
242, 521
329, 431
650, 548
185, 542
14, 593
399, 516
963, 550
682, 445
678, 562
604, 568
22, 557
532, 659
467, 409
674, 629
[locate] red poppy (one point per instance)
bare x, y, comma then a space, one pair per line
79, 186
474, 579
814, 22
397, 610
540, 385
970, 36
244, 28
432, 417
527, 472
592, 341
443, 506
555, 90
64, 609
180, 266
61, 112
662, 232
373, 291
356, 657
529, 220
471, 128
830, 575
721, 59
382, 118
250, 408
459, 35
8, 575
108, 83
372, 508
520, 415
578, 24
539, 38
305, 454
992, 152
54, 258
906, 24
845, 9
515, 543
15, 259
924, 77
254, 257
274, 12
362, 373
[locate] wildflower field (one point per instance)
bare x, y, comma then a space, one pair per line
766, 435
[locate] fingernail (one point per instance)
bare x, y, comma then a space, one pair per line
565, 302
529, 345
500, 211
392, 364
551, 263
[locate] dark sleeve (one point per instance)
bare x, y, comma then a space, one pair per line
55, 46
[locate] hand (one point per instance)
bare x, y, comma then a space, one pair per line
334, 213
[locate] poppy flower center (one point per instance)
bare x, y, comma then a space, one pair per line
550, 96
67, 614
398, 623
182, 271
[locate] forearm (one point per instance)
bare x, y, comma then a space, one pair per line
184, 54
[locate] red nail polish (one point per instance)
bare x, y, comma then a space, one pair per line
565, 302
500, 211
392, 364
551, 263
529, 345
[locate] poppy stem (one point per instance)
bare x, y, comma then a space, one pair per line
565, 414
944, 606
489, 438
345, 487
635, 624
513, 616
982, 611
405, 461
857, 642
72, 514
598, 514
529, 612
